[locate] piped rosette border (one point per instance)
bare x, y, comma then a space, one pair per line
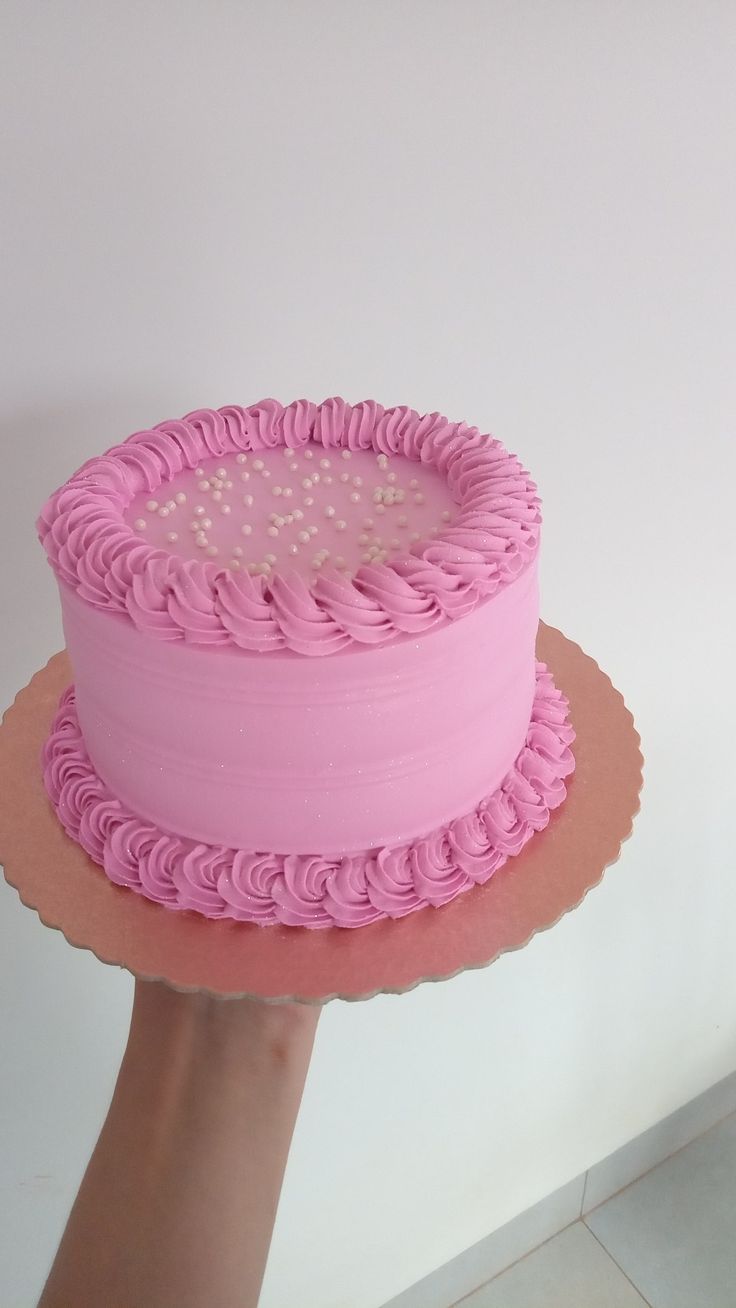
312, 890
492, 536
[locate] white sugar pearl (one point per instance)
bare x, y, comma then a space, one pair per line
414, 537
270, 558
245, 476
324, 463
316, 563
237, 551
413, 484
171, 505
378, 496
258, 465
392, 477
355, 497
203, 485
293, 549
275, 490
241, 458
339, 561
199, 472
265, 473
272, 531
163, 512
212, 550
206, 523
248, 501
388, 496
246, 529
286, 452
194, 526
395, 543
368, 523
151, 505
215, 482
309, 454
199, 510
434, 531
287, 492
288, 519
380, 508
307, 483
446, 515
363, 539
228, 485
315, 477
293, 467
373, 551
419, 498
309, 501
224, 508
345, 477
234, 564
329, 511
312, 530
327, 481
367, 558
140, 524
303, 537
340, 525
180, 498
221, 472
298, 515
200, 539
172, 536
217, 495
347, 454
357, 481
402, 521
278, 521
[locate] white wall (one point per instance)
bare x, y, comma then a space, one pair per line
522, 214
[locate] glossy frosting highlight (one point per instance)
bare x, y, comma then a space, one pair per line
304, 889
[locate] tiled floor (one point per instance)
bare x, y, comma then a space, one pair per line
666, 1241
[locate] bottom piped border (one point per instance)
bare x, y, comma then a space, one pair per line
304, 889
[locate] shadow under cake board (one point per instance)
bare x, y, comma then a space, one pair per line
552, 874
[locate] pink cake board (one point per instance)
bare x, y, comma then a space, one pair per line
553, 873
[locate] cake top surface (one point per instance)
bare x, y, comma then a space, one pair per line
302, 527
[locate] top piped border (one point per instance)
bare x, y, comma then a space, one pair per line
494, 534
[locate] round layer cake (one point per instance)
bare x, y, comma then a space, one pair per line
302, 638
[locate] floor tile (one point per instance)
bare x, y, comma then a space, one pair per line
569, 1271
673, 1231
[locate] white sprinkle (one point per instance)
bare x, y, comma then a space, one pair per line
265, 473
309, 454
303, 537
246, 529
309, 501
163, 512
402, 521
294, 549
356, 497
245, 476
206, 523
329, 511
419, 498
228, 485
392, 477
171, 505
200, 539
276, 490
307, 483
258, 465
446, 515
347, 454
368, 523
298, 515
199, 510
287, 492
199, 472
312, 530
270, 559
272, 531
237, 551
203, 485
151, 505
140, 524
224, 508
195, 526
344, 477
248, 501
315, 477
241, 458
357, 481
293, 467
212, 550
324, 463
171, 536
180, 497
340, 525
234, 564
221, 472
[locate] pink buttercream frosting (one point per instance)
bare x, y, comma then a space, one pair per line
311, 889
481, 546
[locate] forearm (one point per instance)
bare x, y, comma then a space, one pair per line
177, 1204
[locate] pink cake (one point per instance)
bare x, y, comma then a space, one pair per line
305, 687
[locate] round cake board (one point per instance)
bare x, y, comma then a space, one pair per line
552, 874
